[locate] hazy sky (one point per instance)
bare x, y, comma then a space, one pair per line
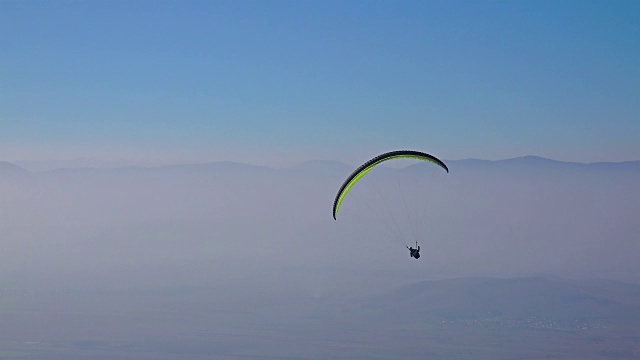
276, 82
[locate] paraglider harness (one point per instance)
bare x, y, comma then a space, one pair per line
414, 253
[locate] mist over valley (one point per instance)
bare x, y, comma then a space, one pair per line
239, 261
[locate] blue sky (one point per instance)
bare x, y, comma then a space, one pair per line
278, 82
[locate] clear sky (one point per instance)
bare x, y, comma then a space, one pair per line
277, 82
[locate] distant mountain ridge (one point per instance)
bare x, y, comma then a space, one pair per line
10, 171
85, 164
540, 297
6, 166
536, 161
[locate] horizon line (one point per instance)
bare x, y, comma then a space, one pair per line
126, 163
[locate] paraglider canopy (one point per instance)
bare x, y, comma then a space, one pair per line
369, 165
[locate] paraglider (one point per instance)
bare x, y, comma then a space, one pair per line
365, 168
414, 253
